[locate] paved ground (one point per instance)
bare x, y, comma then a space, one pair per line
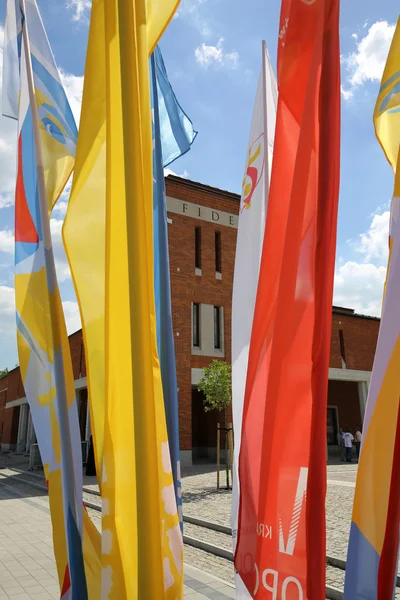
27, 525
27, 567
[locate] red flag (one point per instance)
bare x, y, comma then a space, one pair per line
280, 552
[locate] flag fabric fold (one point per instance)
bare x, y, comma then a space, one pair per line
282, 471
255, 188
374, 534
32, 93
111, 205
173, 135
176, 129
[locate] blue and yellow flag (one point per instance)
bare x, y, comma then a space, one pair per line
108, 234
47, 135
374, 534
173, 135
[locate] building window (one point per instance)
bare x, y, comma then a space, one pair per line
217, 327
342, 351
196, 325
218, 252
197, 247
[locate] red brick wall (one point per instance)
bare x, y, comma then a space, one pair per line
187, 287
12, 389
77, 354
360, 335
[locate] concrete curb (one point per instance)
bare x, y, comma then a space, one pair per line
210, 548
338, 563
207, 524
332, 593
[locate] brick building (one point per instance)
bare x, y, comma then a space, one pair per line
202, 238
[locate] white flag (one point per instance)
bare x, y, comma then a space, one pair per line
253, 205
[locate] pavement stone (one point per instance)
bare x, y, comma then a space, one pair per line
28, 530
27, 566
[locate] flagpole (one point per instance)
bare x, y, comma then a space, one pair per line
62, 401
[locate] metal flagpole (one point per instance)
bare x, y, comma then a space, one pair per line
62, 403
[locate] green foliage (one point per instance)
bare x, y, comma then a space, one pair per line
216, 384
3, 372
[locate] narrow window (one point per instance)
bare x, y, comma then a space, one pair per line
196, 325
197, 247
218, 252
342, 352
217, 327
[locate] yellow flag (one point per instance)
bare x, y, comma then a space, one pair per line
108, 234
387, 108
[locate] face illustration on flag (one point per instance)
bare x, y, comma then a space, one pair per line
47, 135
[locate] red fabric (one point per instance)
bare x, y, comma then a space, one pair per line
284, 419
25, 230
66, 583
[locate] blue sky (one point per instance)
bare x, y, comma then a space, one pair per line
212, 51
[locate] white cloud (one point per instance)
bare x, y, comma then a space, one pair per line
62, 266
346, 93
79, 8
374, 243
190, 10
8, 139
8, 346
207, 55
61, 208
6, 241
73, 85
167, 172
368, 61
72, 316
359, 285
7, 309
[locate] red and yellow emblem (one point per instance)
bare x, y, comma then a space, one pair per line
254, 171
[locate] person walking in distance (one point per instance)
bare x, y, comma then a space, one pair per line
348, 443
358, 438
340, 440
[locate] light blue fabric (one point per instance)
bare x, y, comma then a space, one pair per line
362, 568
172, 136
176, 129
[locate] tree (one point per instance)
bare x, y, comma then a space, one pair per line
3, 372
216, 385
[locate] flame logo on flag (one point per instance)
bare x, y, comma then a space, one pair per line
254, 171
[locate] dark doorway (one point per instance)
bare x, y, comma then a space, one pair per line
332, 426
204, 431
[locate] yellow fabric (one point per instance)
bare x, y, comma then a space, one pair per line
84, 224
108, 234
374, 472
387, 108
159, 14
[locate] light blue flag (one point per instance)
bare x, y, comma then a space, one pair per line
176, 129
173, 135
